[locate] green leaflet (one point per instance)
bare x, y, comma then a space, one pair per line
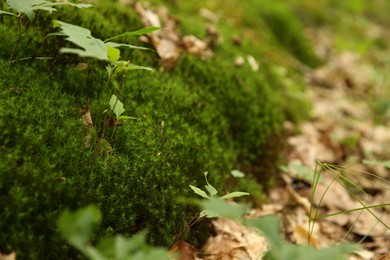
91, 46
116, 106
134, 33
6, 13
28, 7
113, 53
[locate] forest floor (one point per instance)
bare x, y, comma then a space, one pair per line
342, 143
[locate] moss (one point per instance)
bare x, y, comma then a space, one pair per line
287, 29
205, 115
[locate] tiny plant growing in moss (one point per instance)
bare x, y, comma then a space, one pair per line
91, 47
212, 195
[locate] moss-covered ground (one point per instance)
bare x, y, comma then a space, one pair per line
204, 115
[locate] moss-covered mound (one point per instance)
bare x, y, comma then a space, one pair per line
202, 116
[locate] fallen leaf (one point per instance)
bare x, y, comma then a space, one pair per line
234, 241
195, 46
10, 256
183, 250
166, 41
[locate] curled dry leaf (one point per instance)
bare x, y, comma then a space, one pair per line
183, 251
234, 241
196, 46
167, 42
87, 121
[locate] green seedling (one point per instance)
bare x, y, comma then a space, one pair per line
213, 198
92, 47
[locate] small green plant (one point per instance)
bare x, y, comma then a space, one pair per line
212, 196
108, 51
92, 47
76, 227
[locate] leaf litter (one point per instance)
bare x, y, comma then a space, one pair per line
168, 43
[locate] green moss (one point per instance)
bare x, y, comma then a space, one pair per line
203, 116
288, 30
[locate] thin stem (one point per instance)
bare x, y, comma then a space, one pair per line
18, 37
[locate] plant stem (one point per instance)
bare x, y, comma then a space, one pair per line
18, 37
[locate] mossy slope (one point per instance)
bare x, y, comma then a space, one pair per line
203, 116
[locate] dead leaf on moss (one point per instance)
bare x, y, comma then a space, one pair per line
87, 121
167, 41
196, 46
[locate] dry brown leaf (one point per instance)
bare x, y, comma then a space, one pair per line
196, 46
168, 42
234, 241
165, 40
183, 251
10, 256
87, 121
